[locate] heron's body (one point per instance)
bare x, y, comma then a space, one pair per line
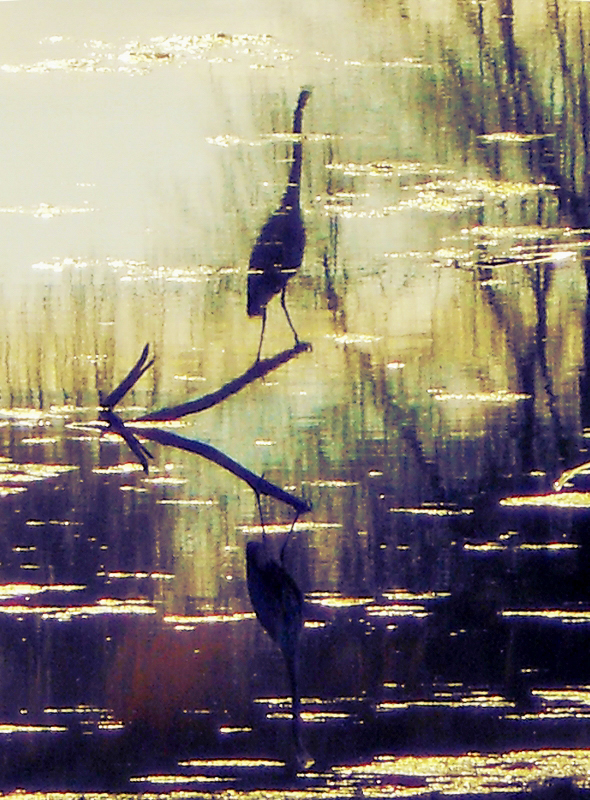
275, 597
278, 251
278, 603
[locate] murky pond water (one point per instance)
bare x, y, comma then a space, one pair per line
430, 424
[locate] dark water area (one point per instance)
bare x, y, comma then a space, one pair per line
426, 398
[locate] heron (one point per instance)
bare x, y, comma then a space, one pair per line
278, 603
278, 251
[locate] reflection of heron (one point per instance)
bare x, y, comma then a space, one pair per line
278, 251
278, 603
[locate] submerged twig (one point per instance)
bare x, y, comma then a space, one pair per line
116, 425
256, 482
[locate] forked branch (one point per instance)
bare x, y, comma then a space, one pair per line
130, 434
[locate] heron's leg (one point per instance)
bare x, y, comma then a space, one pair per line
260, 510
287, 538
261, 333
284, 305
260, 514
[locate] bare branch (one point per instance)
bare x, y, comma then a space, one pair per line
116, 425
257, 483
130, 434
258, 370
134, 374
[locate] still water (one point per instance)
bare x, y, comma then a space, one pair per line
443, 293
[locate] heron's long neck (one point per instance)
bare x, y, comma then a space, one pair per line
291, 197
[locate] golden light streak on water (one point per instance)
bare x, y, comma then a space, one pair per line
58, 265
285, 702
406, 63
138, 58
434, 202
406, 776
103, 607
432, 512
499, 396
14, 473
552, 500
489, 187
196, 501
330, 484
250, 763
380, 168
229, 730
189, 378
334, 600
529, 233
479, 773
208, 619
164, 576
511, 137
179, 779
273, 701
229, 140
353, 338
7, 729
21, 415
166, 481
449, 699
24, 589
118, 469
40, 440
568, 617
397, 610
553, 714
81, 709
50, 65
566, 703
45, 210
550, 547
575, 694
286, 527
310, 716
485, 547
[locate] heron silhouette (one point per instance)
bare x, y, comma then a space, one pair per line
278, 603
278, 251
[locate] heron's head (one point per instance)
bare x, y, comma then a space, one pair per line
303, 97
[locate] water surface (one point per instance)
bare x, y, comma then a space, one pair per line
444, 295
